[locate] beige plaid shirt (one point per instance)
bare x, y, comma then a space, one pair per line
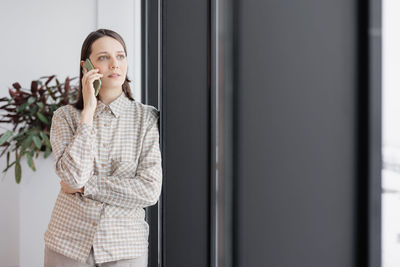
118, 161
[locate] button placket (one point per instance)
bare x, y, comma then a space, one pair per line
104, 146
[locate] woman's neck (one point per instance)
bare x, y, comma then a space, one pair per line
108, 96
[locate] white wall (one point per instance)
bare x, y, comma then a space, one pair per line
390, 73
43, 38
391, 132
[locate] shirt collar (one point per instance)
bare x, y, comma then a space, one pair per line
117, 106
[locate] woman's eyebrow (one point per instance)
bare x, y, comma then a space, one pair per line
103, 52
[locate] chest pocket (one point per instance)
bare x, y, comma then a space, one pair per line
124, 153
124, 145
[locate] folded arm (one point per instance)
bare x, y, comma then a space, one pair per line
73, 151
132, 188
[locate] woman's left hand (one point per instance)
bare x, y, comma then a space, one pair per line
68, 189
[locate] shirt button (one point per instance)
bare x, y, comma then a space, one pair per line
103, 165
94, 224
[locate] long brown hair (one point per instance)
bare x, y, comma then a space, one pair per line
85, 53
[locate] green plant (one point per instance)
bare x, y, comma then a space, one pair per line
31, 112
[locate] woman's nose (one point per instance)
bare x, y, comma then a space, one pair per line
114, 64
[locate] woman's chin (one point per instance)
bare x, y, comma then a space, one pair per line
112, 86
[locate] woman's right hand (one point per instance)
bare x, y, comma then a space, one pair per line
66, 188
89, 99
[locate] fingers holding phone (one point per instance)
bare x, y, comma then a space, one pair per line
97, 83
88, 90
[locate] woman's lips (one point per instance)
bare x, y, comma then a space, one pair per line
113, 76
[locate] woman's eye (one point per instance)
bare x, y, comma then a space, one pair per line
120, 56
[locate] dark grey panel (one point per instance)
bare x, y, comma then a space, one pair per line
375, 133
296, 133
185, 126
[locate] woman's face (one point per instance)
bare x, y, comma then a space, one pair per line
109, 57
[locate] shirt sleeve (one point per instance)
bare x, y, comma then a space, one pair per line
73, 151
132, 190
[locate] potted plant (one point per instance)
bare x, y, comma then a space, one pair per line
31, 112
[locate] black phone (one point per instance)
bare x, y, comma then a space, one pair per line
97, 83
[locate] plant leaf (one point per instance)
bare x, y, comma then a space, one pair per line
4, 137
45, 138
16, 86
30, 161
26, 143
4, 106
34, 110
37, 141
9, 166
17, 171
22, 132
12, 93
22, 107
53, 107
31, 100
51, 94
34, 87
42, 117
47, 152
49, 79
59, 86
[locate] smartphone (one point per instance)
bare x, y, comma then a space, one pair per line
97, 83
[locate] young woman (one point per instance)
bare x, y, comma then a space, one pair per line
107, 155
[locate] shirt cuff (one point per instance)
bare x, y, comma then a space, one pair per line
86, 129
90, 187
